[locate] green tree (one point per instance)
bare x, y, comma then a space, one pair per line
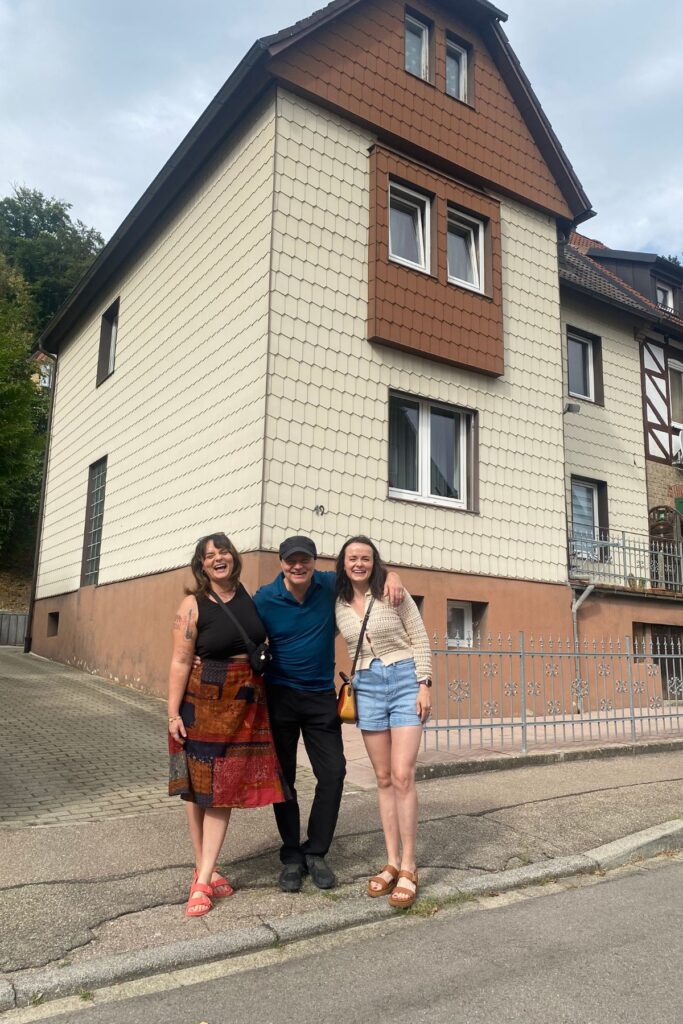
51, 251
675, 260
43, 254
23, 419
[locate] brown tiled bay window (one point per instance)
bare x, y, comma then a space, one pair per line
435, 265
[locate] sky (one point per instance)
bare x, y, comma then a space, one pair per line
95, 97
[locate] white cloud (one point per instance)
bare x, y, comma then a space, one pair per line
94, 98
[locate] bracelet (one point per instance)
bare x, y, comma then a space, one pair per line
172, 718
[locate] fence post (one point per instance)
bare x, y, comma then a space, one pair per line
629, 669
624, 558
522, 692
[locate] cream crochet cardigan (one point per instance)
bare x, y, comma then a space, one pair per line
392, 634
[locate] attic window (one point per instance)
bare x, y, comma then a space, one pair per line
456, 71
665, 295
108, 331
417, 47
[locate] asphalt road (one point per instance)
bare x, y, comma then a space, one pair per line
605, 953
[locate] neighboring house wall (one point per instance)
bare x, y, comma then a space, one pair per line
327, 422
664, 484
181, 417
604, 442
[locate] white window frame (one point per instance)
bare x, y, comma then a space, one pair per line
589, 549
466, 639
453, 47
476, 229
677, 367
590, 397
659, 285
423, 494
422, 204
415, 23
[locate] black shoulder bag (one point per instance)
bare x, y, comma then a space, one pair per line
259, 654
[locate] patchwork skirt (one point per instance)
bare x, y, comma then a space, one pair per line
228, 758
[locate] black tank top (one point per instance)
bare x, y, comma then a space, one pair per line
217, 635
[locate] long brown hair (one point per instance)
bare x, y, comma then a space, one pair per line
221, 542
378, 576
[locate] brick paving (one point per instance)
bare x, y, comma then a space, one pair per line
78, 748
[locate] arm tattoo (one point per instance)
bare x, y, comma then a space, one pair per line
177, 622
188, 628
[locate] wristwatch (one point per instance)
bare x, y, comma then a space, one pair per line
425, 682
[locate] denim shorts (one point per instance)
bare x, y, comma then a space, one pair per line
386, 695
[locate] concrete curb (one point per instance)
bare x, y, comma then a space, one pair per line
504, 762
53, 983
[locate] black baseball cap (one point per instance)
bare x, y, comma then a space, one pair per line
297, 546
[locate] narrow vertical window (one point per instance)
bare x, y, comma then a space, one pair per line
676, 394
456, 71
108, 332
94, 514
580, 367
417, 48
465, 250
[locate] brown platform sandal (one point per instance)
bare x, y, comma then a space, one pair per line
384, 886
410, 896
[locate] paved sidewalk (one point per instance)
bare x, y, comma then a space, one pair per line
96, 861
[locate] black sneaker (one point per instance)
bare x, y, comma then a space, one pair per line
322, 875
291, 877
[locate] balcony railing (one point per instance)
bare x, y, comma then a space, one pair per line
629, 560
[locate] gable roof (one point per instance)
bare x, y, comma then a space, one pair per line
246, 84
581, 269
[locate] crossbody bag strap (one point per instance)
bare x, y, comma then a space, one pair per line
249, 643
360, 637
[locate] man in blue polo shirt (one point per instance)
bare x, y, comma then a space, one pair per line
297, 609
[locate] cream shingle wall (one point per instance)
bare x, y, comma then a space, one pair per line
605, 443
327, 420
181, 419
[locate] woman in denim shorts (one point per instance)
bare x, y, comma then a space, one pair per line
392, 686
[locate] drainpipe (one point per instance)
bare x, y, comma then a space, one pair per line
576, 604
28, 638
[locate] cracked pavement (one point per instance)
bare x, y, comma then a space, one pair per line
96, 859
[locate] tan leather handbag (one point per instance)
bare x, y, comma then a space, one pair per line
346, 699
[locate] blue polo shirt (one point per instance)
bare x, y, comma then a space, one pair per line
301, 636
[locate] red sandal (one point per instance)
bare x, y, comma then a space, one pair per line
199, 902
220, 887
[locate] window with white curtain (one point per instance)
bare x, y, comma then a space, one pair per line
456, 71
459, 624
417, 47
408, 227
429, 447
590, 526
465, 250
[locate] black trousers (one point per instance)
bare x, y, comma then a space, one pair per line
312, 715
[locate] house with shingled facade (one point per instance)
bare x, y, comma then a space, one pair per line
623, 367
335, 310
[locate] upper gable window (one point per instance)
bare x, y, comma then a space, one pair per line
417, 47
408, 227
456, 71
108, 332
665, 295
465, 250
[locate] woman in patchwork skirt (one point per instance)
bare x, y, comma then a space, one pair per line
221, 748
